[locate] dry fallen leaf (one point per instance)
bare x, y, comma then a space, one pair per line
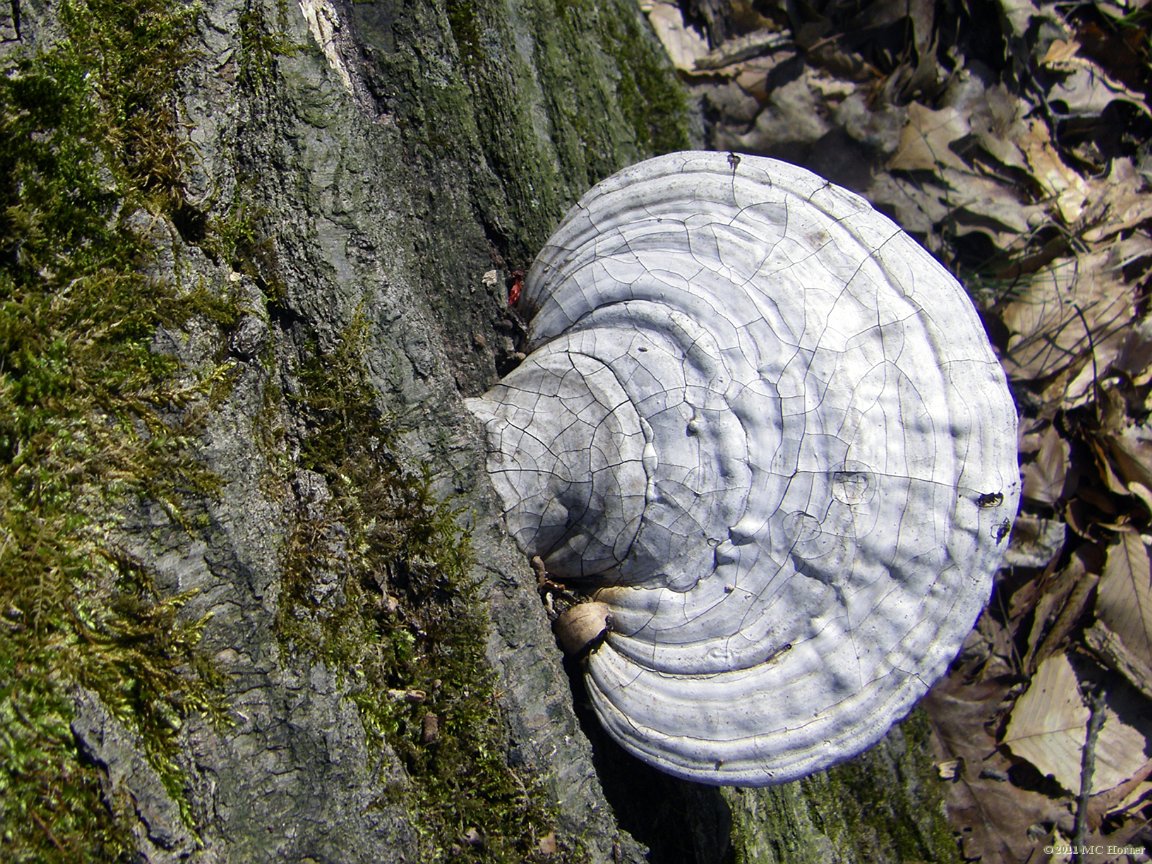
685, 45
1120, 797
1061, 51
925, 142
992, 815
1061, 602
1065, 309
1044, 475
1118, 202
1131, 450
1048, 728
1066, 187
996, 119
1124, 599
984, 204
1112, 653
1139, 796
1086, 90
1135, 358
1048, 723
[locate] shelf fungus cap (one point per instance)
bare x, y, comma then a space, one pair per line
765, 430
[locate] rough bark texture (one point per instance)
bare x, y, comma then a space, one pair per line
357, 168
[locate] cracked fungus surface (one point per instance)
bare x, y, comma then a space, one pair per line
765, 427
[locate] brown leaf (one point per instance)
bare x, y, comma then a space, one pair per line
1135, 358
996, 119
1035, 541
1044, 475
1104, 469
1119, 202
1102, 802
1124, 600
1131, 452
1140, 795
1062, 601
1113, 654
685, 45
1086, 90
925, 142
1048, 728
1058, 307
1049, 721
1066, 187
993, 815
1060, 51
983, 204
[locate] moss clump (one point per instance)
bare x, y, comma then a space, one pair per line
888, 800
130, 53
377, 586
895, 804
87, 147
548, 121
634, 76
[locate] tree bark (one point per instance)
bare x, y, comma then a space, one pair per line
381, 168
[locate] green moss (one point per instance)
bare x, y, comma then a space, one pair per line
377, 586
547, 126
88, 143
651, 98
889, 801
466, 29
52, 805
261, 45
132, 52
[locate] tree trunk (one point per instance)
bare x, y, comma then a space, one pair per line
340, 195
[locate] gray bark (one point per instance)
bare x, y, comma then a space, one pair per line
388, 157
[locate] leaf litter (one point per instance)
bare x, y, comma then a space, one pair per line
1014, 138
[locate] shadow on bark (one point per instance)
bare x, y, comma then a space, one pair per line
680, 822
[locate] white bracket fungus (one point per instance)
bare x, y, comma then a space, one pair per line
764, 430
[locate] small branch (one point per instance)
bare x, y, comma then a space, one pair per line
1087, 767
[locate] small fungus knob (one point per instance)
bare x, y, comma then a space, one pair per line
582, 626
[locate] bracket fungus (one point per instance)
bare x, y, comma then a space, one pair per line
764, 431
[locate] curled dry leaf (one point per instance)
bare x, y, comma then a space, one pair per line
1086, 90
